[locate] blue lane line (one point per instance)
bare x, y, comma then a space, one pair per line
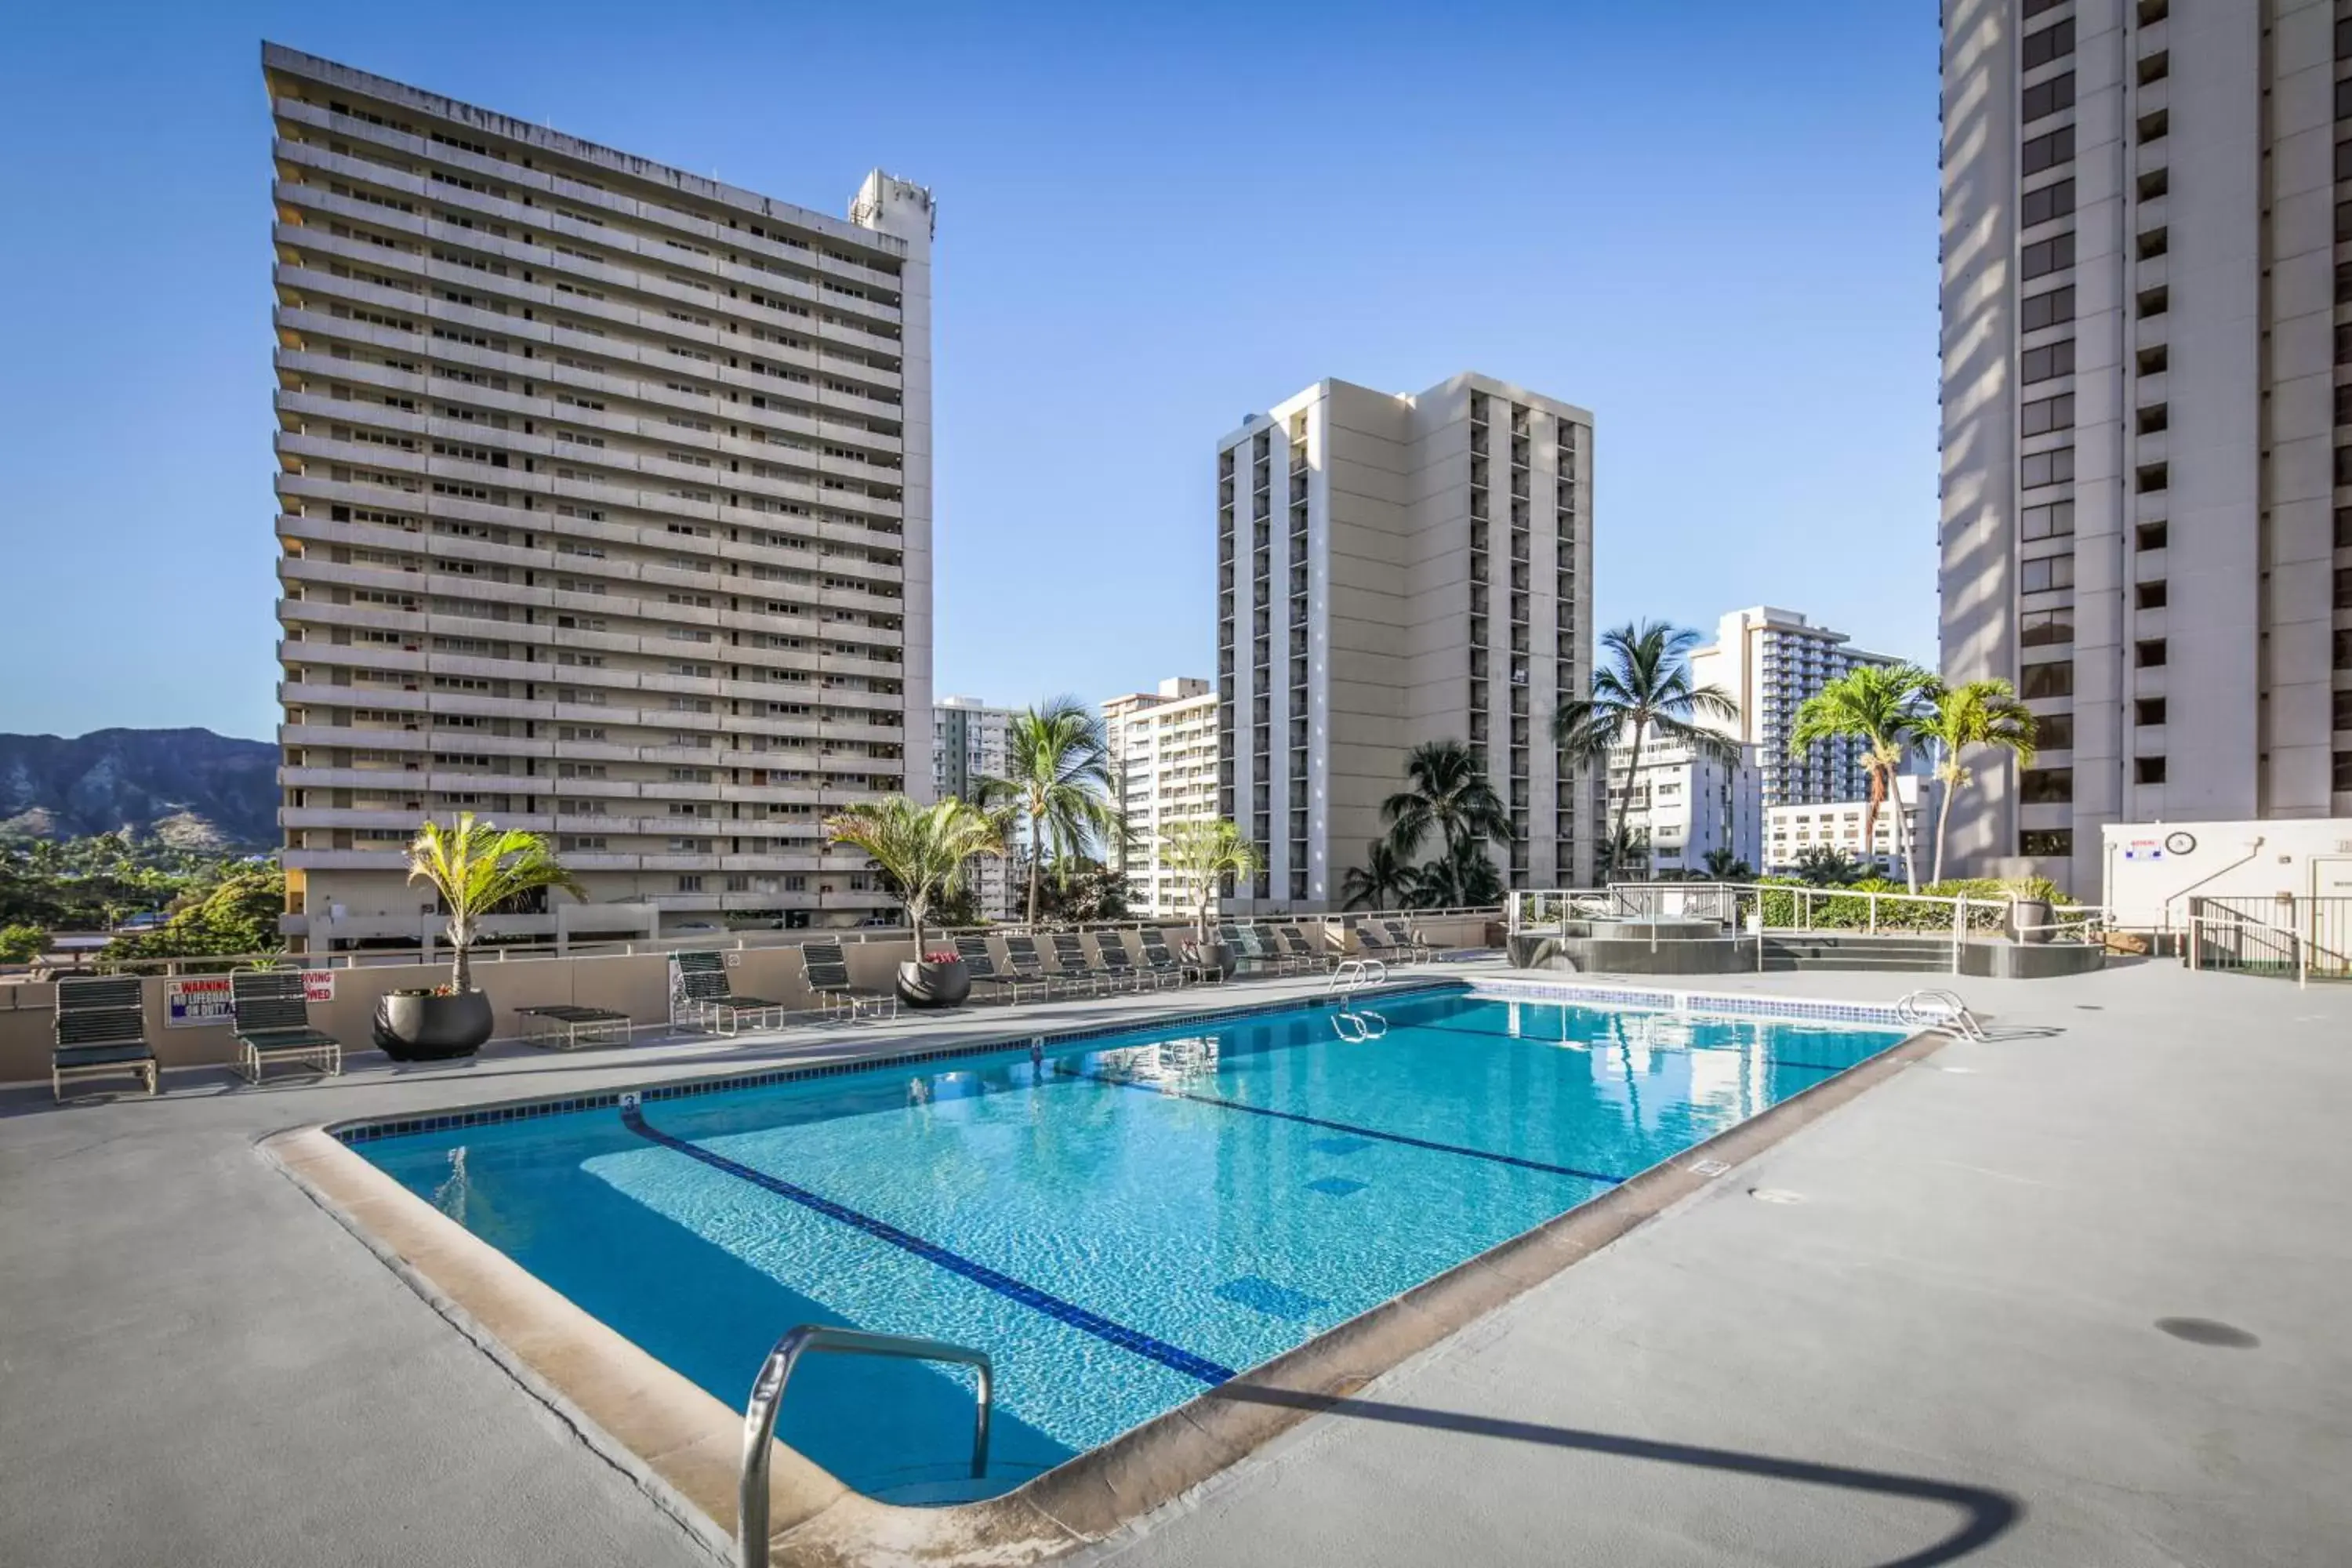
1601, 1178
931, 1252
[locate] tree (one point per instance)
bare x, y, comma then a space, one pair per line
1974, 714
1205, 853
1058, 781
1620, 848
23, 944
1446, 790
1725, 867
1881, 706
1086, 892
1643, 686
1467, 879
1825, 866
476, 866
236, 917
924, 851
1384, 879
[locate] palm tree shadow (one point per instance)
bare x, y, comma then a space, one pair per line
1985, 1514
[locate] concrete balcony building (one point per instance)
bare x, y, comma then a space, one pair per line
603, 510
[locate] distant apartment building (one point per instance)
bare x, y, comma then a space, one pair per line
1163, 749
1396, 568
968, 744
2148, 412
1769, 661
604, 511
1686, 804
1790, 830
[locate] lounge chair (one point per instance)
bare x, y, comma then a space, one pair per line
704, 999
560, 1026
1270, 948
101, 1032
1412, 941
1120, 964
1021, 952
1305, 953
973, 951
269, 1014
826, 969
1162, 964
1375, 945
1071, 966
1248, 955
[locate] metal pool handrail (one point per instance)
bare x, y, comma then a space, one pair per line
768, 1393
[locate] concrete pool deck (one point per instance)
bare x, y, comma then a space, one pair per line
1949, 1338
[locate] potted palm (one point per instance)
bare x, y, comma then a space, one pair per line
926, 850
474, 867
1205, 853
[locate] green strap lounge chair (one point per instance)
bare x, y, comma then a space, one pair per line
101, 1032
270, 1013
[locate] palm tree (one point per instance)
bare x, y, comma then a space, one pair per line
926, 850
1058, 780
1448, 791
477, 866
1383, 878
1205, 853
1878, 705
1725, 867
1973, 714
1826, 866
1643, 686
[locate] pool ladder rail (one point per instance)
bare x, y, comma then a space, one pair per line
768, 1393
1356, 1026
1939, 1010
1351, 973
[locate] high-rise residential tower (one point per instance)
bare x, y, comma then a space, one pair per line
1163, 752
604, 510
968, 744
1396, 568
2146, 429
1769, 661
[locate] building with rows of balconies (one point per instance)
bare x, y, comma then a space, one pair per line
604, 511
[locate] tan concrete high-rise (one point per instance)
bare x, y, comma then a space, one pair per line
2146, 421
1396, 568
604, 510
1163, 752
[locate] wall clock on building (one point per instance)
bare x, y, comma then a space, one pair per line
2179, 843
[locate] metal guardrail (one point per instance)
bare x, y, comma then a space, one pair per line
2205, 952
2318, 928
768, 1393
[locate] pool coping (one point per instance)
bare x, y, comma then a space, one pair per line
684, 1447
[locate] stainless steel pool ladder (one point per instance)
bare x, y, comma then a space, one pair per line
1939, 1010
1366, 1023
1351, 972
768, 1393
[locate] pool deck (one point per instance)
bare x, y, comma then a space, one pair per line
1937, 1344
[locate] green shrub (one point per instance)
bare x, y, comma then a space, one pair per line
23, 944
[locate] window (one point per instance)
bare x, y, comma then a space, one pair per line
2147, 770
2054, 732
2048, 414
2344, 465
2149, 712
2035, 7
2343, 759
2052, 42
2344, 38
2344, 332
2152, 477
2047, 309
2048, 152
2047, 786
2154, 183
2344, 528
2343, 659
2056, 843
2047, 520
2151, 536
690, 884
2344, 404
2155, 243
2153, 595
2039, 628
2054, 467
2148, 653
2044, 572
2047, 256
2053, 360
2156, 301
2156, 417
2344, 220
2343, 717
2045, 202
2052, 679
2044, 98
2344, 159
2343, 99
2152, 127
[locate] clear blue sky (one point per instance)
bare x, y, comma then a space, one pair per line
1712, 223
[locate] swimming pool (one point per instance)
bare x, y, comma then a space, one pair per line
1121, 1222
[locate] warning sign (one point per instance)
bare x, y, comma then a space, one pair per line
200, 1001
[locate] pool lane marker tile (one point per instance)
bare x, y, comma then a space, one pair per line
1337, 1186
1172, 1092
1339, 1145
931, 1252
1265, 1296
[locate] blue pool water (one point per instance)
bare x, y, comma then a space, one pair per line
1120, 1224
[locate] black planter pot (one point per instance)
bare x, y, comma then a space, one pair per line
418, 1026
1217, 958
924, 985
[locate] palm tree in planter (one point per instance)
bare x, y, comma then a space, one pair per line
1205, 853
1058, 782
927, 852
1883, 706
476, 868
1385, 878
1642, 687
1973, 714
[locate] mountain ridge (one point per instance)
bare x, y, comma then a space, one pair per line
189, 787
